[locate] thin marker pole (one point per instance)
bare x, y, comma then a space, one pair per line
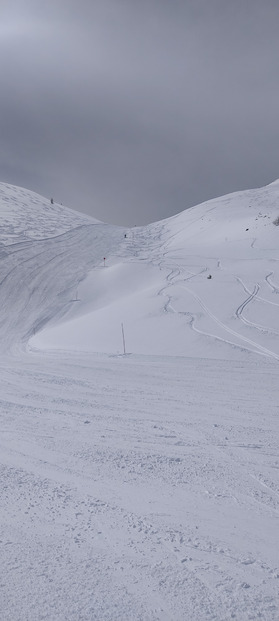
123, 337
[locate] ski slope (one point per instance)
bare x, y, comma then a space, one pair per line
141, 486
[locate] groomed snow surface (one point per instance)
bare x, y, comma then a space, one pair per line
139, 484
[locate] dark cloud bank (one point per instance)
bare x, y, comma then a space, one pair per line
133, 111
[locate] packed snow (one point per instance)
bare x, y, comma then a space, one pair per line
139, 413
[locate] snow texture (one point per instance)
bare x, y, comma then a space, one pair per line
139, 477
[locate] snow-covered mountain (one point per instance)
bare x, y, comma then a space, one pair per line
202, 283
139, 487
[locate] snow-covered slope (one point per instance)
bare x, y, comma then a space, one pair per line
141, 487
46, 250
155, 281
26, 215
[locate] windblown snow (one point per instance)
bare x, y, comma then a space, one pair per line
139, 412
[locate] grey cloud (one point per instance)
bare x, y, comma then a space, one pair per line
135, 111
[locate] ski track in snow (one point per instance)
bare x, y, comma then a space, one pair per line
273, 287
140, 487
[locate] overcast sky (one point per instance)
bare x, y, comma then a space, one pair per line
133, 110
